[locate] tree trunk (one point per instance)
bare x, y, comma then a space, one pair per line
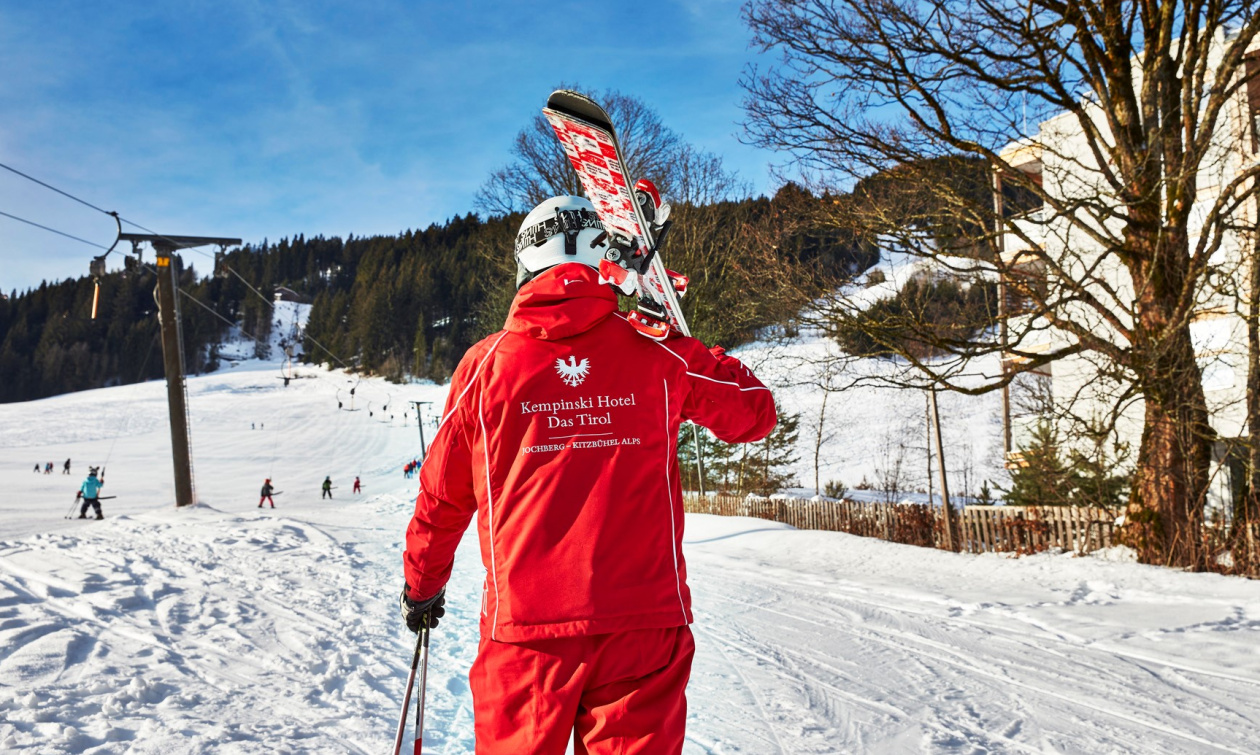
1247, 508
1165, 514
818, 441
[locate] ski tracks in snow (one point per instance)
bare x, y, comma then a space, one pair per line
852, 668
190, 631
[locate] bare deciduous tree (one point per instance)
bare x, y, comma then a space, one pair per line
1135, 186
726, 242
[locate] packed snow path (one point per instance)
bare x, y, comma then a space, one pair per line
821, 642
224, 628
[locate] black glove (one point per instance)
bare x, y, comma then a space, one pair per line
416, 612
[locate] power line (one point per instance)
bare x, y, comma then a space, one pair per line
53, 230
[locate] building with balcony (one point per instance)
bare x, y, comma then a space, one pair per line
1037, 246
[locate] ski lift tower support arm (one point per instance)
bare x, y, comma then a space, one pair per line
173, 350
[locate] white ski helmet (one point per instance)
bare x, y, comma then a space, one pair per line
561, 229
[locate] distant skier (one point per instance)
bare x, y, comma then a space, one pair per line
584, 634
251, 426
90, 490
357, 488
66, 468
266, 494
327, 488
48, 468
36, 469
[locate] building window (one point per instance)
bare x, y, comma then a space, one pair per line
1026, 286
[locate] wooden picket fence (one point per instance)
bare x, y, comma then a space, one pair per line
1032, 529
981, 529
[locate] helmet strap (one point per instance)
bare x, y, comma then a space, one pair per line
571, 226
568, 222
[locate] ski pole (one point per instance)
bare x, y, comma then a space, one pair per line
73, 506
424, 679
411, 681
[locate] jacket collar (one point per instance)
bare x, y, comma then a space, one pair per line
563, 301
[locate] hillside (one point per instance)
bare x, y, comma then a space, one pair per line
870, 436
236, 630
402, 306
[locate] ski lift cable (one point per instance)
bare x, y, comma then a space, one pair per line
264, 299
229, 323
243, 332
66, 194
226, 321
86, 203
54, 230
207, 308
271, 304
120, 220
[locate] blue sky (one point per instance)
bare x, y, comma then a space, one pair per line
269, 119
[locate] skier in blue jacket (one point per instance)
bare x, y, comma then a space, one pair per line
90, 490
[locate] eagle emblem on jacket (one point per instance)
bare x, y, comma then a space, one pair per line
573, 372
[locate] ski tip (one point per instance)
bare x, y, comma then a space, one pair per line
578, 105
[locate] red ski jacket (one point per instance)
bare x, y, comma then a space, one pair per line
560, 433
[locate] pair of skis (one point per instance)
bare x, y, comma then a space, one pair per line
632, 213
79, 497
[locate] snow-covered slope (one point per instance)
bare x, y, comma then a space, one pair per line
225, 628
865, 432
874, 432
288, 323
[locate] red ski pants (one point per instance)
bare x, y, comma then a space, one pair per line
621, 693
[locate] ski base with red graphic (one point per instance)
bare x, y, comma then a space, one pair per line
589, 140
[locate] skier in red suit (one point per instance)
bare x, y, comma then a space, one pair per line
560, 436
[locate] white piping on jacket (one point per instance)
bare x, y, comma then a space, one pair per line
472, 380
669, 488
706, 377
494, 569
727, 382
675, 353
